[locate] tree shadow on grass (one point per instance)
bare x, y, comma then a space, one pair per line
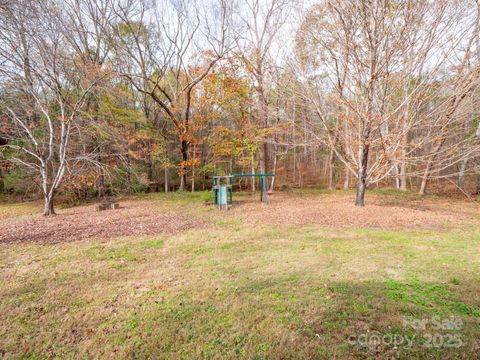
289, 316
285, 317
395, 319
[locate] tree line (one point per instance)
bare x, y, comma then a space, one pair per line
99, 97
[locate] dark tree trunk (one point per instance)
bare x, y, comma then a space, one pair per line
362, 177
266, 160
331, 171
150, 170
166, 179
100, 182
183, 174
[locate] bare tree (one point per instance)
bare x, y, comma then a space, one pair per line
379, 66
45, 86
257, 46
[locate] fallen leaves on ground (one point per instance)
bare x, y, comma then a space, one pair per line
338, 210
133, 218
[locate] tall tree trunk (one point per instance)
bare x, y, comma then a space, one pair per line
331, 166
48, 208
253, 172
100, 181
362, 176
423, 185
274, 169
396, 180
461, 172
47, 195
294, 148
150, 169
193, 178
403, 176
428, 168
183, 169
265, 158
346, 183
166, 179
194, 157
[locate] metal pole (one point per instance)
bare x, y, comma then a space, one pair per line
264, 189
214, 191
231, 189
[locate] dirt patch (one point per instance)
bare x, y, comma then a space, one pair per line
133, 218
339, 211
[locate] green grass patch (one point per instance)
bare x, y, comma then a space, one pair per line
231, 291
102, 253
152, 244
437, 298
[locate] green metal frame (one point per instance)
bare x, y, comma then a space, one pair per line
263, 186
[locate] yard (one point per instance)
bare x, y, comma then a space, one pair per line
309, 276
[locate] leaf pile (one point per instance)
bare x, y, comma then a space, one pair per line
133, 218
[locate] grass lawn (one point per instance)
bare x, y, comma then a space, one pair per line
253, 283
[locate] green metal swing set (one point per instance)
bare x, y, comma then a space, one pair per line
220, 190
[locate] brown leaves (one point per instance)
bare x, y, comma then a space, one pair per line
339, 211
134, 218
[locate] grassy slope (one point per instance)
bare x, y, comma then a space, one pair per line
230, 291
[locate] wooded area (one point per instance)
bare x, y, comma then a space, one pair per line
103, 97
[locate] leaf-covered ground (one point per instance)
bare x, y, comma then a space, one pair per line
132, 219
254, 283
21, 223
384, 210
